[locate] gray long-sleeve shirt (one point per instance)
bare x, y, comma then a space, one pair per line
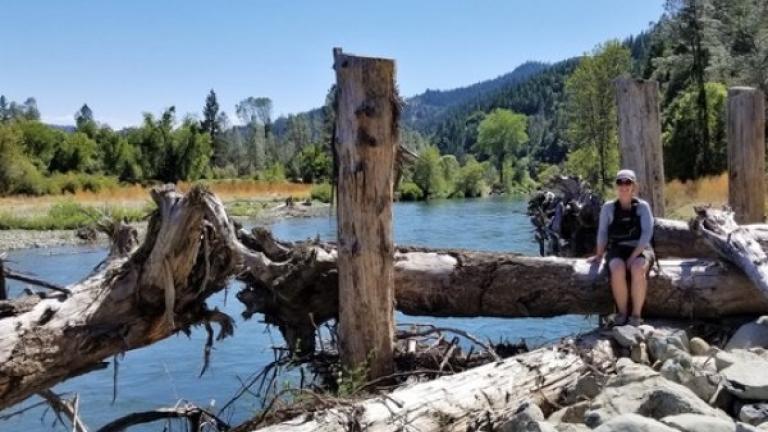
646, 224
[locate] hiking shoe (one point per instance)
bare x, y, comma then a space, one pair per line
617, 320
635, 321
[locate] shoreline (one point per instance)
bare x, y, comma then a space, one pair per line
16, 239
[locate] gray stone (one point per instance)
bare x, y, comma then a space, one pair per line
633, 423
627, 335
672, 344
571, 427
525, 418
639, 354
747, 379
754, 334
699, 347
699, 423
754, 414
587, 387
724, 359
640, 390
570, 414
704, 364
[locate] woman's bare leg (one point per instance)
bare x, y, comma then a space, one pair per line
619, 284
639, 270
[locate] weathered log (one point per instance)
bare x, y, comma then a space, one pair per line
640, 137
365, 149
746, 154
459, 283
734, 244
130, 303
454, 402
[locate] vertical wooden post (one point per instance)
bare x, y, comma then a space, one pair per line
746, 154
366, 144
640, 137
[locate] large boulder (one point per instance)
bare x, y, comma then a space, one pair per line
638, 389
750, 335
747, 379
633, 423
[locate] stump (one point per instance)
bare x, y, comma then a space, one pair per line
746, 154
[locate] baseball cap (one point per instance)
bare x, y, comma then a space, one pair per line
626, 174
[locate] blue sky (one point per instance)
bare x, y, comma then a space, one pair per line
127, 57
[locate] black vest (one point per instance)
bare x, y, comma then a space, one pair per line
625, 225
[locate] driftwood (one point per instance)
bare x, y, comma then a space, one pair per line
189, 252
459, 402
443, 283
734, 244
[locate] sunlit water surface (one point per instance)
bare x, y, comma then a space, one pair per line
167, 372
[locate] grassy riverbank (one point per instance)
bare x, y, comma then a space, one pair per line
132, 203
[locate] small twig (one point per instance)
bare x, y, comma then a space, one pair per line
69, 409
21, 277
452, 330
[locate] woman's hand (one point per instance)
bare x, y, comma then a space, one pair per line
594, 258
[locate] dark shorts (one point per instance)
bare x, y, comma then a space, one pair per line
623, 252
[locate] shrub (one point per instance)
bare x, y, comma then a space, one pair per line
410, 191
321, 192
273, 173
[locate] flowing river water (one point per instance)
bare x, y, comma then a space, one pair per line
166, 373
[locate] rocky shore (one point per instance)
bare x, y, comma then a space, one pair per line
666, 378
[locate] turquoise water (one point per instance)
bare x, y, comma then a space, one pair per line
167, 372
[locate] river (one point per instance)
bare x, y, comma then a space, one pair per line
167, 372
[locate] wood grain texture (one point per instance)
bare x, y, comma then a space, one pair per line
746, 154
640, 137
366, 147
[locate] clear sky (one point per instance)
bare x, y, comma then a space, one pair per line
127, 57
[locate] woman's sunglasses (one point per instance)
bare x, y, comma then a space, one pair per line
622, 182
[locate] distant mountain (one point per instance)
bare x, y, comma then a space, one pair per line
428, 107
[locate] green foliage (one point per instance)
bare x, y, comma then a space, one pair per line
592, 123
273, 173
410, 191
473, 182
78, 152
428, 174
501, 134
680, 131
314, 164
321, 192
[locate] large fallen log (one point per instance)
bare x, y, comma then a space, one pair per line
456, 402
460, 283
189, 252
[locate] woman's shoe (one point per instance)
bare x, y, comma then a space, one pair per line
618, 319
635, 321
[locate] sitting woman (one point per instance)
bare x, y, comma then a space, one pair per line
624, 238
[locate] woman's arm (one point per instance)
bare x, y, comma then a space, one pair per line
606, 214
646, 229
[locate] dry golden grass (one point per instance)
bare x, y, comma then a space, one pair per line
681, 197
138, 196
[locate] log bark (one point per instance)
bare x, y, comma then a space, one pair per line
460, 283
457, 402
131, 302
746, 154
640, 137
365, 149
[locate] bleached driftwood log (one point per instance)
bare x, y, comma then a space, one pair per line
469, 284
734, 243
189, 252
452, 402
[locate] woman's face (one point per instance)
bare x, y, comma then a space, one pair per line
624, 189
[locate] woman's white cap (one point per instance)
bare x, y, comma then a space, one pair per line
626, 174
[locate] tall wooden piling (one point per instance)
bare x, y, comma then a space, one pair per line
640, 137
746, 154
366, 144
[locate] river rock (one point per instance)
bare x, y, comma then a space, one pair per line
754, 414
525, 418
570, 414
699, 347
754, 334
633, 423
639, 354
627, 335
571, 427
587, 387
641, 390
724, 359
747, 379
702, 382
699, 423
